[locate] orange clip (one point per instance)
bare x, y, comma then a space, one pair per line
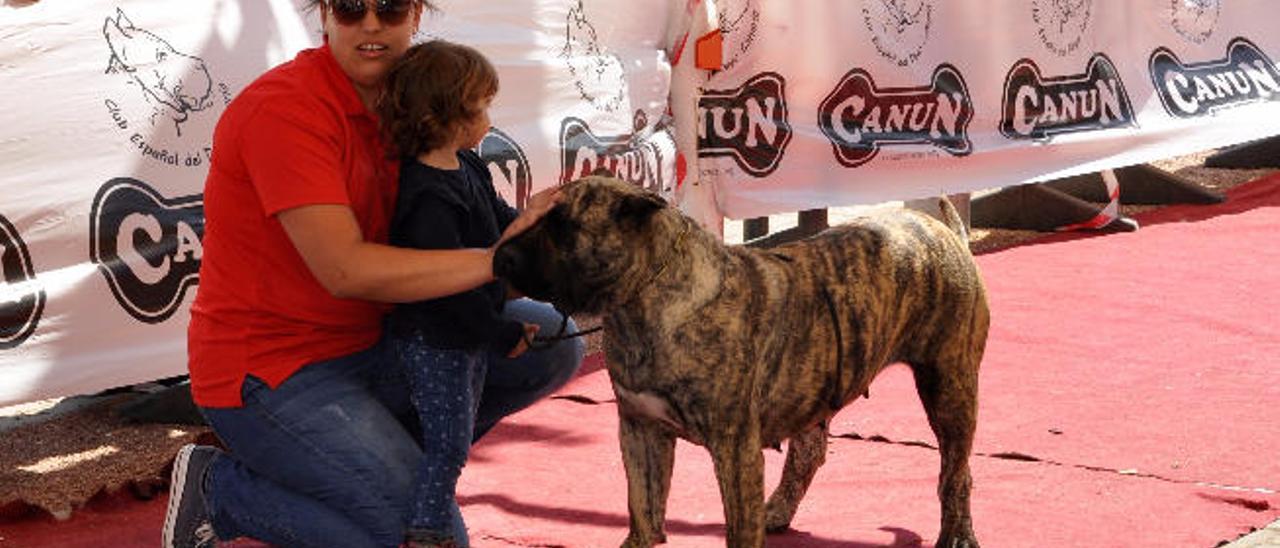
709, 51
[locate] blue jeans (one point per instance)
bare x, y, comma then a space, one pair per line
328, 457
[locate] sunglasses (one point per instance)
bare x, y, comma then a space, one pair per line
390, 12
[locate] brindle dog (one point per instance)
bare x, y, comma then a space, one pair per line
737, 349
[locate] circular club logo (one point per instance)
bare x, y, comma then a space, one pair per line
157, 94
20, 303
1195, 20
1061, 24
740, 25
899, 28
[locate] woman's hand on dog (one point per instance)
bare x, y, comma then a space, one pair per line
539, 204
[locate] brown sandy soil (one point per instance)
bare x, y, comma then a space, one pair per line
56, 459
1190, 166
52, 460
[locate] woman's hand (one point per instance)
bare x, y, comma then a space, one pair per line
530, 329
539, 205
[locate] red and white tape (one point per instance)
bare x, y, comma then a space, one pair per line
1109, 213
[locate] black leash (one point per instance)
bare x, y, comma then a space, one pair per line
540, 342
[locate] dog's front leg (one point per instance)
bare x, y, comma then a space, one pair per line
739, 464
805, 454
648, 453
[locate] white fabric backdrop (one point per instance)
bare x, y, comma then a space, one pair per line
104, 144
888, 53
109, 107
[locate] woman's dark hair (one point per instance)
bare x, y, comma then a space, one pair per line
432, 90
309, 5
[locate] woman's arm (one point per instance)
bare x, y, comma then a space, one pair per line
333, 247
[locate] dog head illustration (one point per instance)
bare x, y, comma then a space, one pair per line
598, 74
1061, 23
899, 28
1195, 20
175, 83
1064, 10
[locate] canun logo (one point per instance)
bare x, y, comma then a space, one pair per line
21, 302
1036, 107
147, 246
598, 74
1245, 75
740, 25
748, 124
1061, 23
175, 86
859, 118
1195, 20
639, 160
507, 162
899, 28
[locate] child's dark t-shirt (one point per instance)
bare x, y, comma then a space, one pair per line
453, 209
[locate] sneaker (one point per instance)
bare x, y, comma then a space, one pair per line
186, 522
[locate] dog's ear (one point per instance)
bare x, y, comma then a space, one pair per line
638, 208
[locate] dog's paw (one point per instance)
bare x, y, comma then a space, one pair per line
777, 515
636, 541
957, 541
776, 521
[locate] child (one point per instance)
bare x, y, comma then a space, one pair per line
433, 112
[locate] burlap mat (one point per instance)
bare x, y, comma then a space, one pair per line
57, 464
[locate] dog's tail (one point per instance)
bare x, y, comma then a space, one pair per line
952, 218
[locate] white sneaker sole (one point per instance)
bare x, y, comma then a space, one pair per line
177, 481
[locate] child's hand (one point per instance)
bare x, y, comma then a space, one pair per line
530, 329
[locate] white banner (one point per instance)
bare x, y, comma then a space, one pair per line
584, 86
110, 106
841, 102
104, 142
105, 134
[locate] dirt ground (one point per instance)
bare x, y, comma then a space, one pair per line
56, 455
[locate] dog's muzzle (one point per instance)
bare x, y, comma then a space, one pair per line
509, 262
522, 269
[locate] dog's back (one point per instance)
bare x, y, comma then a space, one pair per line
895, 286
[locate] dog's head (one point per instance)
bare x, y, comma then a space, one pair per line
593, 245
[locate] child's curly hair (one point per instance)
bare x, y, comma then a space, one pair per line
434, 89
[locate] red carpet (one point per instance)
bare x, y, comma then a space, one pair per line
1127, 399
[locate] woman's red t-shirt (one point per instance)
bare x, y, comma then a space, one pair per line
298, 135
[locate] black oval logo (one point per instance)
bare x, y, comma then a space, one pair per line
147, 246
21, 301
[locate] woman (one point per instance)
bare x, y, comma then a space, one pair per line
283, 344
